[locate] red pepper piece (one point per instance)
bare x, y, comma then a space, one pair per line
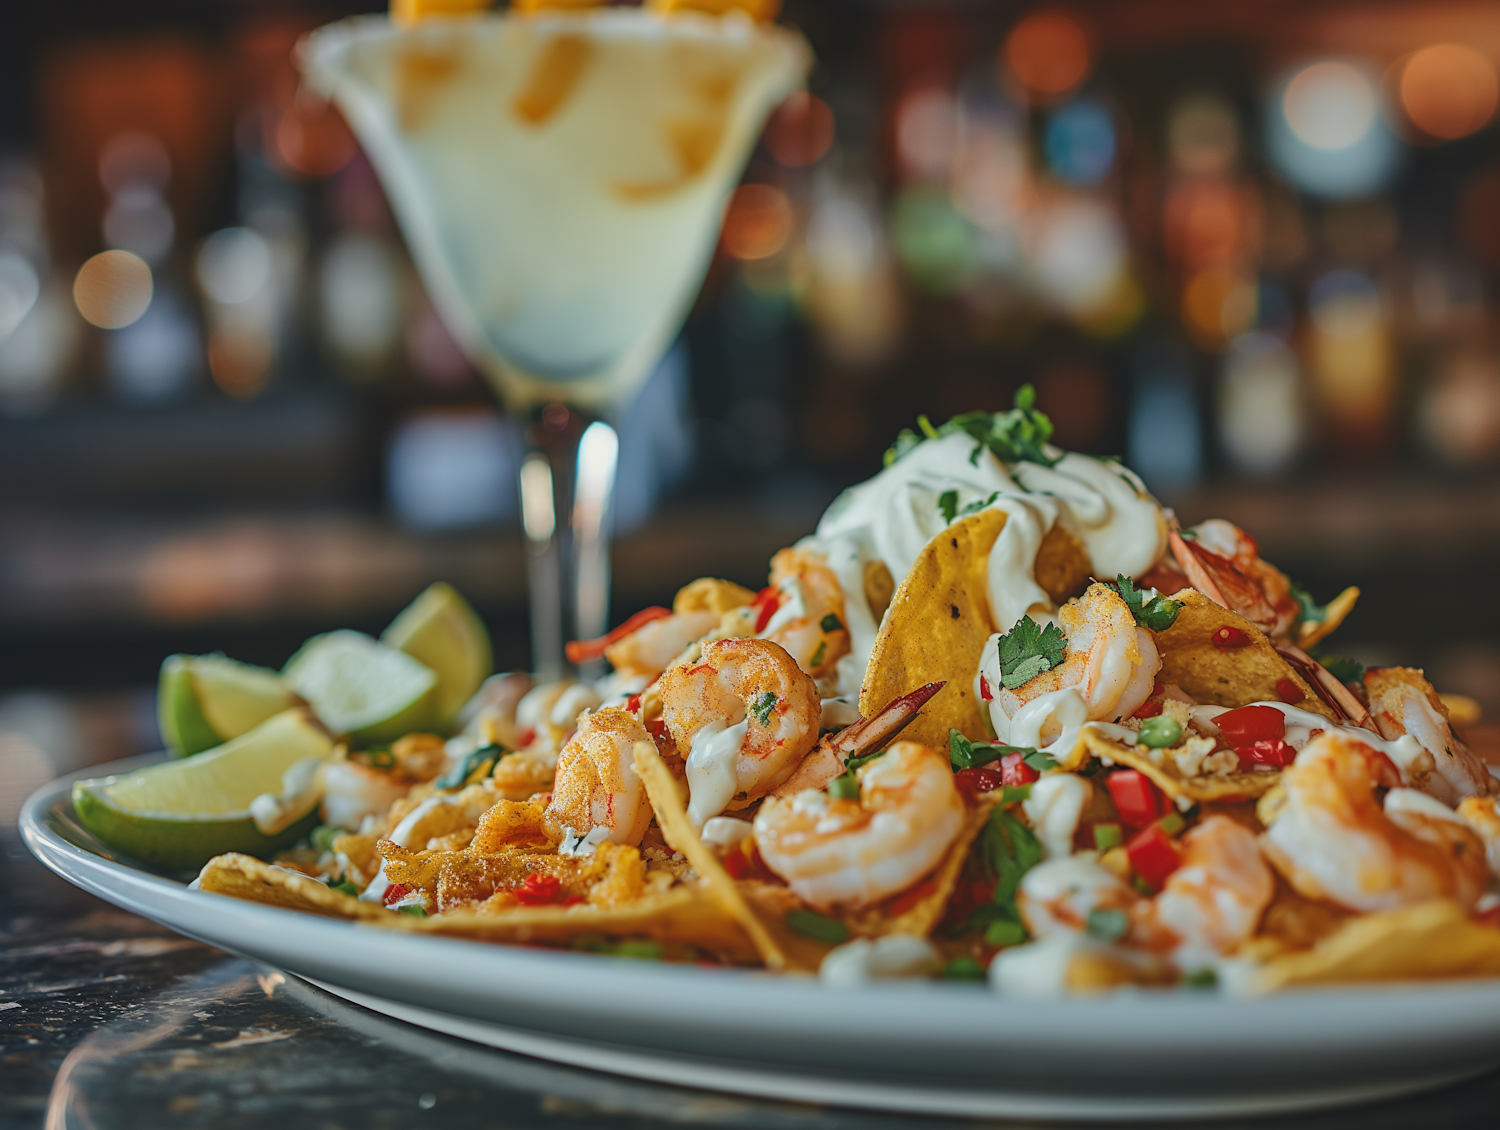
1268, 752
580, 651
633, 704
657, 728
526, 737
743, 861
1153, 855
1289, 692
972, 782
1015, 771
902, 903
1250, 724
395, 893
538, 890
1229, 637
765, 604
1148, 710
571, 900
1137, 800
984, 689
1490, 917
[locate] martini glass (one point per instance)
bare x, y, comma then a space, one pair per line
560, 179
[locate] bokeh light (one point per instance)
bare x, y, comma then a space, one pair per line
1261, 417
1460, 417
1217, 305
19, 289
1449, 90
234, 264
1326, 132
1077, 249
1203, 136
1205, 221
801, 130
310, 137
758, 223
1080, 142
134, 157
1351, 357
927, 131
239, 359
113, 289
1049, 52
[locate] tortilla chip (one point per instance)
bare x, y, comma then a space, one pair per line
1423, 942
1062, 566
1334, 613
1226, 677
922, 907
671, 814
244, 877
1168, 777
772, 903
711, 594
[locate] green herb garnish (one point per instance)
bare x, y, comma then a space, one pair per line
1017, 436
1028, 650
818, 927
323, 835
1342, 668
1200, 979
640, 949
846, 785
471, 762
1157, 614
1011, 850
1014, 794
380, 757
414, 910
947, 505
964, 754
817, 656
1312, 611
762, 705
1110, 925
964, 969
831, 623
345, 887
1004, 932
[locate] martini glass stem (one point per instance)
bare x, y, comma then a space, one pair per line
567, 483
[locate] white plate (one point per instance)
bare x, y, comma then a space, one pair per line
914, 1046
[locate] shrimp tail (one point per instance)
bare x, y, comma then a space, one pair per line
870, 733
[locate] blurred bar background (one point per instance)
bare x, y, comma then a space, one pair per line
1252, 248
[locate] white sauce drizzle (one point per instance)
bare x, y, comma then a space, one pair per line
711, 764
401, 836
895, 955
301, 788
725, 832
1054, 808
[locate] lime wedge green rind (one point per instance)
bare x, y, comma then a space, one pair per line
442, 631
362, 688
184, 729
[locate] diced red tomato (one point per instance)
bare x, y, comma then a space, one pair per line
525, 738
538, 890
657, 728
765, 604
1136, 799
580, 651
904, 902
1228, 638
984, 689
1250, 724
1274, 752
1490, 917
1014, 770
1148, 710
1289, 692
571, 900
743, 861
395, 893
972, 782
1153, 855
633, 704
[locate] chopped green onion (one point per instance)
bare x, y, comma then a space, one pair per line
323, 835
345, 887
457, 776
1107, 836
817, 656
1160, 732
1004, 932
844, 787
762, 705
1171, 823
831, 623
641, 950
1014, 794
817, 926
1200, 979
414, 910
1110, 925
380, 757
964, 969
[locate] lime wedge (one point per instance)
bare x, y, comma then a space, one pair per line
441, 631
205, 700
181, 814
361, 688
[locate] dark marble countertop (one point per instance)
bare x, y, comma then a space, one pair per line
109, 1021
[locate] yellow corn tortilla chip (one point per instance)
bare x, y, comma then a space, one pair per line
1423, 942
940, 618
1310, 634
244, 877
1168, 776
665, 795
1226, 677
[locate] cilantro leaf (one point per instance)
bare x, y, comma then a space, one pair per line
846, 785
762, 705
1028, 649
964, 754
831, 623
1342, 668
1018, 436
1038, 760
345, 887
464, 769
947, 505
1011, 850
1158, 614
1312, 611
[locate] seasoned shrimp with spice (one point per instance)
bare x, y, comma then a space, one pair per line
1107, 672
596, 795
1214, 900
856, 851
745, 715
1402, 701
809, 617
1219, 555
1332, 838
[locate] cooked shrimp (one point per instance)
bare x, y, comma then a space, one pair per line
1402, 701
1215, 899
1111, 665
746, 714
809, 621
1331, 839
1057, 896
1254, 588
596, 794
353, 791
547, 714
648, 649
1483, 815
856, 852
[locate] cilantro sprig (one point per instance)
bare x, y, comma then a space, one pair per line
1018, 436
948, 507
1312, 611
762, 705
846, 785
1158, 614
1009, 850
1029, 649
465, 767
1342, 668
966, 754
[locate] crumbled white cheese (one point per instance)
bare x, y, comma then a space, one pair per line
575, 844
